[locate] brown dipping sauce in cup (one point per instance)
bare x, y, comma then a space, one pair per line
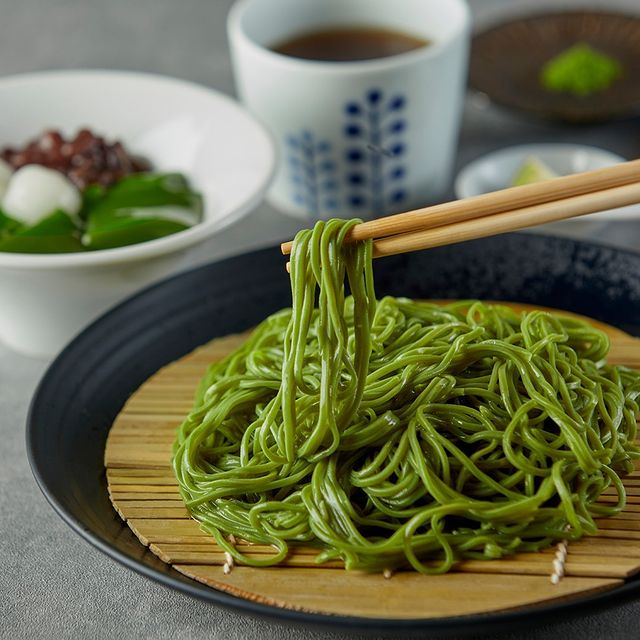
349, 44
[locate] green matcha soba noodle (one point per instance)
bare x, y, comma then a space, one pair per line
395, 433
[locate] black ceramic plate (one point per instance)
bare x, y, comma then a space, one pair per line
506, 60
86, 386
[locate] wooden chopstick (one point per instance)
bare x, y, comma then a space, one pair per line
508, 221
556, 192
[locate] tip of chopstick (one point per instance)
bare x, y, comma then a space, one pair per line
285, 247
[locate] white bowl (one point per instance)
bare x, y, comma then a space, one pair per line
496, 171
177, 125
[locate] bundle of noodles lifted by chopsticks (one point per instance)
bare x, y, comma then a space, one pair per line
394, 433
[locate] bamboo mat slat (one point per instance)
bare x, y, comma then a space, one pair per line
405, 595
118, 496
145, 493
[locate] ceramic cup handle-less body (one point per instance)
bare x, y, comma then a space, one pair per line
358, 138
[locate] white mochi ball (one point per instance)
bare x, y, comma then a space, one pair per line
34, 191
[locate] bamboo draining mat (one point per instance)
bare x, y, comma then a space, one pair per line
144, 492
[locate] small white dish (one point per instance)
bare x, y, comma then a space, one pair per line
179, 126
496, 171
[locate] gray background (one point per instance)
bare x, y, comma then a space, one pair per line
53, 584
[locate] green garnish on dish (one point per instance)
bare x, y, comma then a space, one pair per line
580, 71
56, 233
8, 225
532, 170
139, 208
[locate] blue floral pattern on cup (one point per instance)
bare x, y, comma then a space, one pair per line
375, 131
312, 171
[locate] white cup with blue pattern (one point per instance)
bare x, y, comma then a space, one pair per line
357, 138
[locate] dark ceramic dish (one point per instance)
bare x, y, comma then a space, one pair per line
88, 383
506, 61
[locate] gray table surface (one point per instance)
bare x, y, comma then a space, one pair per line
52, 583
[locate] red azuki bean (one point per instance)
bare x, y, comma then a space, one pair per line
85, 159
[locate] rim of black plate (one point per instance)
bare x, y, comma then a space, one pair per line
475, 623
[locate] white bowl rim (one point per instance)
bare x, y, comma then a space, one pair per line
151, 248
